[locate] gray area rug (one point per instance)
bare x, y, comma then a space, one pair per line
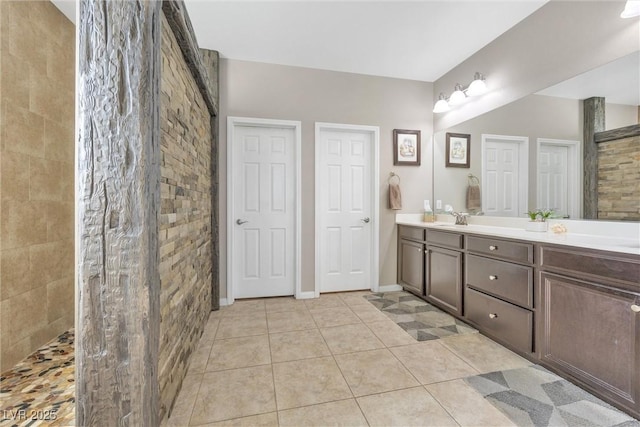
420, 319
533, 396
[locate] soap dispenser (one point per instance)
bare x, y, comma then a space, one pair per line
428, 213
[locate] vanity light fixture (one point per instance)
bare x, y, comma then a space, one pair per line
631, 9
460, 94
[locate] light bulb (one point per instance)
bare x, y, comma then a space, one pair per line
458, 96
477, 86
442, 106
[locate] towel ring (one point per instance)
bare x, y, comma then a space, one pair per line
472, 177
393, 175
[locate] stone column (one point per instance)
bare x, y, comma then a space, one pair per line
117, 187
593, 123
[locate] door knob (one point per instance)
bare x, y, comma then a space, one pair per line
240, 221
635, 308
365, 220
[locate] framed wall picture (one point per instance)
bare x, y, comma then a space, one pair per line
406, 147
457, 150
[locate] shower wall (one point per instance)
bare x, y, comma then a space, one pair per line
37, 64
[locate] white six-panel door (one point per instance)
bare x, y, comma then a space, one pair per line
344, 209
558, 177
505, 175
263, 217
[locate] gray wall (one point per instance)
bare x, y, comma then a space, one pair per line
560, 40
250, 89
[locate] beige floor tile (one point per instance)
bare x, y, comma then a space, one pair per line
210, 329
483, 354
368, 313
350, 338
200, 357
242, 307
324, 301
262, 420
283, 321
242, 326
182, 408
234, 393
431, 362
374, 371
309, 382
466, 405
340, 413
390, 334
408, 407
274, 305
296, 345
336, 316
239, 353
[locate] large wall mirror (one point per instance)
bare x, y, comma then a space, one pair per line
528, 155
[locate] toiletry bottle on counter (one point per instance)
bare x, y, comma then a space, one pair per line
428, 213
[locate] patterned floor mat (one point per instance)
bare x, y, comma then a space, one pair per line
420, 319
533, 396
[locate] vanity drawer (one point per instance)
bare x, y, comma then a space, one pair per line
505, 249
444, 238
505, 280
412, 233
504, 321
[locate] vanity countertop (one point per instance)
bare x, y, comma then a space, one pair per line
600, 241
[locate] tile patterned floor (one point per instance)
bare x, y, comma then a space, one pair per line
40, 390
336, 360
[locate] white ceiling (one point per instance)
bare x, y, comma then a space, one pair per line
417, 40
617, 81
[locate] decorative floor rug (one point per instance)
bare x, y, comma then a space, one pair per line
533, 396
420, 319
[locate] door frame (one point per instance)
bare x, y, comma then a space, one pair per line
523, 166
232, 123
573, 173
375, 198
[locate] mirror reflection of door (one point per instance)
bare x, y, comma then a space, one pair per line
558, 177
504, 175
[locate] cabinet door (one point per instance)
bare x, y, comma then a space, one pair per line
411, 266
591, 333
444, 278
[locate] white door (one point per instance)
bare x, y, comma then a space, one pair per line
345, 210
505, 175
558, 177
263, 216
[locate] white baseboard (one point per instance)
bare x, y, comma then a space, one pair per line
306, 295
389, 288
223, 302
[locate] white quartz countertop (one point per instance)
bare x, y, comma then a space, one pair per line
600, 241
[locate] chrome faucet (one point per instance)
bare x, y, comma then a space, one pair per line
461, 218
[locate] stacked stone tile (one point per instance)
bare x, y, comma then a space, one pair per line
619, 179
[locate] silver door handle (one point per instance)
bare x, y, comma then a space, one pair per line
240, 221
365, 220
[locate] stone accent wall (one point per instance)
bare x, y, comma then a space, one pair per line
185, 218
619, 179
36, 176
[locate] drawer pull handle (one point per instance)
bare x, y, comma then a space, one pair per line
493, 248
635, 308
492, 277
493, 315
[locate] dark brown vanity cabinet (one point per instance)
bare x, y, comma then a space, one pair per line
443, 270
591, 320
499, 290
411, 259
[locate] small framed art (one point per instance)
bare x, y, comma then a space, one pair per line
406, 147
457, 150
